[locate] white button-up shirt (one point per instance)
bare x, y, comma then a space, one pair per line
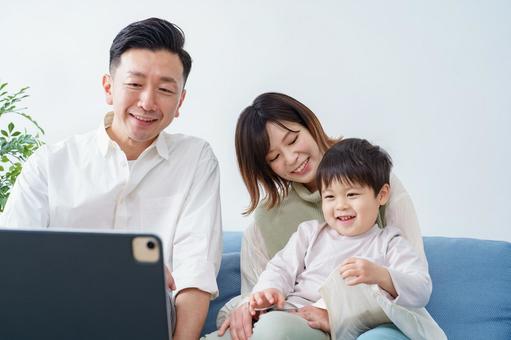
172, 190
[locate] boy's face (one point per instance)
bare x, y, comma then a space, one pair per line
351, 209
146, 91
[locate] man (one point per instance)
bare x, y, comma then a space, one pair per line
131, 175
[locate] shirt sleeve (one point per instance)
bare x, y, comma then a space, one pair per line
283, 269
197, 245
253, 258
400, 212
409, 273
27, 205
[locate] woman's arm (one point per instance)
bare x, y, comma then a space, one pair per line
253, 258
400, 212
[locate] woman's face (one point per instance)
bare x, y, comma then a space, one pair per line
293, 155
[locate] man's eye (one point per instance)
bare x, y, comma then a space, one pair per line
134, 85
166, 90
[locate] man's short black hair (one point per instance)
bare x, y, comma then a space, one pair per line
355, 161
153, 34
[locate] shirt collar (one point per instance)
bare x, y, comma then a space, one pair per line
305, 194
105, 143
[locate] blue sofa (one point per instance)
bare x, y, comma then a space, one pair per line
471, 285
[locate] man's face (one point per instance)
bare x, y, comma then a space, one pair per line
146, 91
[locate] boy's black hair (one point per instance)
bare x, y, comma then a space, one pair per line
355, 161
153, 34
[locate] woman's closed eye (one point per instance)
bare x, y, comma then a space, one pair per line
274, 158
294, 140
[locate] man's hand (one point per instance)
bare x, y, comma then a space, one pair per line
266, 298
169, 280
239, 323
355, 271
316, 317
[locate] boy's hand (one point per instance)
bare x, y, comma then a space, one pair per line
266, 298
356, 270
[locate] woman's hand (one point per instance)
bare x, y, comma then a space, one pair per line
316, 317
239, 323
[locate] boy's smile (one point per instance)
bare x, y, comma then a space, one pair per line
351, 209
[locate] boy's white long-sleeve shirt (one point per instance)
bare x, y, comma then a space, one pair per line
315, 250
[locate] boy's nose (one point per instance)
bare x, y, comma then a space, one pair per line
341, 204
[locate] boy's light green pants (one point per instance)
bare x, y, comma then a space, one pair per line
283, 326
279, 325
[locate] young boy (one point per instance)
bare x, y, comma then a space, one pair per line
353, 180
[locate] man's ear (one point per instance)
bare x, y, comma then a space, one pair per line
384, 194
181, 100
107, 86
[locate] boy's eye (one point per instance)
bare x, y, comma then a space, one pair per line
327, 197
353, 194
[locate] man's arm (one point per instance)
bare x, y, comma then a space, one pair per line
28, 205
192, 308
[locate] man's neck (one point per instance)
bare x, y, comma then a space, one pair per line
132, 149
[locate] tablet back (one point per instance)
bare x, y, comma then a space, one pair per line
81, 285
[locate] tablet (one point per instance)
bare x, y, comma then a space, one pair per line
82, 285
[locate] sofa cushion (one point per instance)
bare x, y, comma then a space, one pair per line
471, 296
228, 279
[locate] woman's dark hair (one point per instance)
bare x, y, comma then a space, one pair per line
252, 143
153, 34
355, 161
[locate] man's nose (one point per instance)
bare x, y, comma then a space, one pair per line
147, 100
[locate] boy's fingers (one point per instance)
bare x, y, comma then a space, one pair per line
258, 299
280, 301
269, 297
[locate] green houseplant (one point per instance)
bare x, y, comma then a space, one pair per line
16, 144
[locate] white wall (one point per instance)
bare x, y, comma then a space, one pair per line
429, 81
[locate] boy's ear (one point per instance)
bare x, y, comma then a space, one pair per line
384, 194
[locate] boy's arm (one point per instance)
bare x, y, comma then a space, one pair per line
404, 277
287, 264
409, 273
358, 270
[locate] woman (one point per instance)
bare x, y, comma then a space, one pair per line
279, 144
